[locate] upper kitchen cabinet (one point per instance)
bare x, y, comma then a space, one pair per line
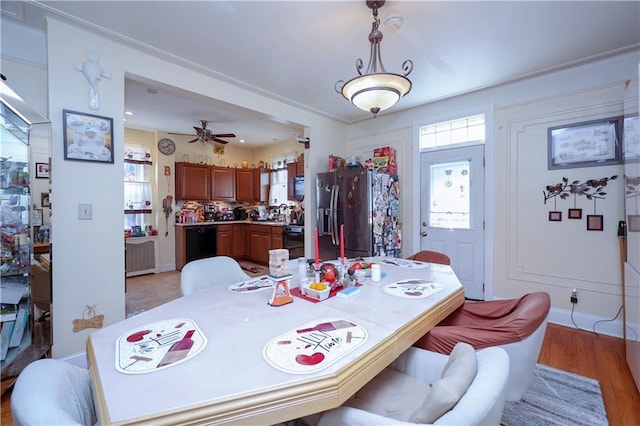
262, 184
193, 182
223, 183
300, 165
246, 185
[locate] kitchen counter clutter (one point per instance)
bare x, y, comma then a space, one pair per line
240, 239
231, 222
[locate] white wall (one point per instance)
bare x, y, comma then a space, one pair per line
537, 254
517, 228
89, 255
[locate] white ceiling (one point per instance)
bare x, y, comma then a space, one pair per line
296, 51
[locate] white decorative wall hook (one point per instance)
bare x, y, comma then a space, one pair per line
93, 72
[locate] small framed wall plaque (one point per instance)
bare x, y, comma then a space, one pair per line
555, 216
574, 214
595, 222
42, 170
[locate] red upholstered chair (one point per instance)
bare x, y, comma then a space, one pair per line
516, 325
431, 257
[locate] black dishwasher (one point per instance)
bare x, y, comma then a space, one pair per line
201, 242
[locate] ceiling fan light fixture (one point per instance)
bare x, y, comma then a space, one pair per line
376, 90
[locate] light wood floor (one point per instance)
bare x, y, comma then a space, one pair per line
580, 352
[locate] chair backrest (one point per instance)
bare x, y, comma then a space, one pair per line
204, 273
51, 391
431, 257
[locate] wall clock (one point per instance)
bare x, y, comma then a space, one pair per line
166, 146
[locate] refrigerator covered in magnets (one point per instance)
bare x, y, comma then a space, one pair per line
367, 204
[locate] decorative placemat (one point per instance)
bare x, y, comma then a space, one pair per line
314, 345
158, 345
414, 288
255, 284
405, 263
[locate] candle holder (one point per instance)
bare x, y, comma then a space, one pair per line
316, 272
342, 270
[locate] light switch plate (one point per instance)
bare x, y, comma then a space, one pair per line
85, 211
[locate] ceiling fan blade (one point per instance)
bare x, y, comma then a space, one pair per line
223, 135
194, 140
199, 131
219, 141
181, 134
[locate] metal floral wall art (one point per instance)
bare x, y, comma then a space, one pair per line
592, 189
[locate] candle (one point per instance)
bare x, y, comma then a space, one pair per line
317, 249
342, 242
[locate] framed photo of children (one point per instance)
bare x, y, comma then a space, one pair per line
586, 144
87, 137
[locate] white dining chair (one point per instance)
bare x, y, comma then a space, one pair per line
52, 392
204, 273
423, 388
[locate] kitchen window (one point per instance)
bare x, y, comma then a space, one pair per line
138, 194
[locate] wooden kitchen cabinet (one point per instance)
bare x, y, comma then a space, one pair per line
262, 184
291, 174
238, 242
223, 183
224, 240
261, 239
300, 165
192, 182
276, 238
246, 185
259, 243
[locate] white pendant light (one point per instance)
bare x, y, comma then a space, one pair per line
376, 90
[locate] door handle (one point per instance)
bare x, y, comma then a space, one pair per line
423, 234
424, 223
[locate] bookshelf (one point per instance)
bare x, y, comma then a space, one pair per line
17, 121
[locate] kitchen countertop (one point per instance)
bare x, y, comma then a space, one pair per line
231, 222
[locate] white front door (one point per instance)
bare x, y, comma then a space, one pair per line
452, 211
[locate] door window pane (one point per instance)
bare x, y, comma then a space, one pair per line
449, 195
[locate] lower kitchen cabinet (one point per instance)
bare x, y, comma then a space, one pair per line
238, 240
259, 239
276, 238
225, 240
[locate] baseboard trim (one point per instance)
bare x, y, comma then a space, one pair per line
586, 322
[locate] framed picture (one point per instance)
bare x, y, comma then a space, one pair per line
44, 199
574, 214
633, 223
87, 137
587, 144
631, 139
595, 222
42, 170
555, 216
36, 217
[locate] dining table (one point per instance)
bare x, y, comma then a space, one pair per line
229, 355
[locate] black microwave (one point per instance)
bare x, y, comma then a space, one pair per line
298, 187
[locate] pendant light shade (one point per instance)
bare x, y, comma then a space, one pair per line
376, 90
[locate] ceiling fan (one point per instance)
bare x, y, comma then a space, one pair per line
205, 135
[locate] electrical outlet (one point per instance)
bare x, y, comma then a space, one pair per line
574, 296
